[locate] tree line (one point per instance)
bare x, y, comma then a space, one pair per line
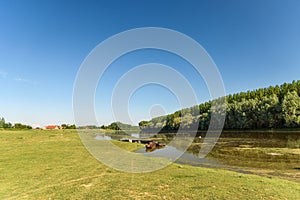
68, 126
117, 126
265, 108
120, 126
8, 125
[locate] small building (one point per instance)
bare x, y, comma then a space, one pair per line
51, 127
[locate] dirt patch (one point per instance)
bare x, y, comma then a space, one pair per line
274, 154
87, 186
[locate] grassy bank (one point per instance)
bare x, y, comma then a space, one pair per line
54, 164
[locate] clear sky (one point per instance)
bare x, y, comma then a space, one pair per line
254, 43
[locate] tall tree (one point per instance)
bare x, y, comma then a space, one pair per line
291, 109
2, 122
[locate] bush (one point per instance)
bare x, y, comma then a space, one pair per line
293, 143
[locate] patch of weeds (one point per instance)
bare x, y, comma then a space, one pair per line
293, 143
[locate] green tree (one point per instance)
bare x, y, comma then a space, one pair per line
8, 125
72, 126
64, 126
21, 126
2, 122
291, 109
114, 126
272, 107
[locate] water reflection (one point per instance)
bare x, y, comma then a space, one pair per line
135, 135
188, 158
142, 135
233, 151
171, 153
102, 137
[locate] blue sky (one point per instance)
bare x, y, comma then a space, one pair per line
43, 43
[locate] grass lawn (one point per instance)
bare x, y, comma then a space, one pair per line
38, 164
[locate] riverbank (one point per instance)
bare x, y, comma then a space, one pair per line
55, 164
199, 132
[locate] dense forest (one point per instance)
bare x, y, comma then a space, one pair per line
265, 108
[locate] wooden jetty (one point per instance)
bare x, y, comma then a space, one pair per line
136, 140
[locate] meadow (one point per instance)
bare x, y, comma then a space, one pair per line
36, 164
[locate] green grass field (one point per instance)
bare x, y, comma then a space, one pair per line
39, 164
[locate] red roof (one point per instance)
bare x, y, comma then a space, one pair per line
51, 127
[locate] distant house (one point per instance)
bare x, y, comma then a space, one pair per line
52, 127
